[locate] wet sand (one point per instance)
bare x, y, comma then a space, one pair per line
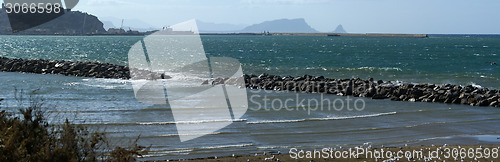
442, 153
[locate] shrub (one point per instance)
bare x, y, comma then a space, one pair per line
29, 137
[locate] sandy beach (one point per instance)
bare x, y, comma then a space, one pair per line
441, 153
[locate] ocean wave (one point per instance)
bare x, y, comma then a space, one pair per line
320, 119
224, 146
191, 134
177, 80
160, 153
356, 69
97, 85
192, 122
101, 83
186, 151
375, 69
447, 122
172, 122
427, 123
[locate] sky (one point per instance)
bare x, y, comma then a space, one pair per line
356, 16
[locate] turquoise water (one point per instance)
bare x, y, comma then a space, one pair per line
109, 104
440, 59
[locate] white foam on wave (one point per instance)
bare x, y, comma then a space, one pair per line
177, 80
376, 68
475, 85
320, 119
192, 122
172, 122
191, 134
355, 69
102, 83
160, 153
226, 146
186, 151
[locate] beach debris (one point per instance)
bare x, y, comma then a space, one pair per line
390, 160
269, 158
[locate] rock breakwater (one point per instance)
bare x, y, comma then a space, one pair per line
68, 68
370, 88
375, 89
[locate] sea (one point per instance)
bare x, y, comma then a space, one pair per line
270, 124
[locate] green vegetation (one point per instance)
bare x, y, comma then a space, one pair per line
27, 136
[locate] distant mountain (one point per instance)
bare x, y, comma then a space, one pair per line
339, 29
73, 22
207, 27
281, 26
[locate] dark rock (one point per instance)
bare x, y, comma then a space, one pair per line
494, 103
471, 100
205, 82
483, 103
379, 97
262, 76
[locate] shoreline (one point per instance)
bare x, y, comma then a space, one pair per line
441, 150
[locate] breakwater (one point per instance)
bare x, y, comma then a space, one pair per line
375, 89
68, 68
379, 35
329, 34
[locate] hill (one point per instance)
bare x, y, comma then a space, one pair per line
339, 29
71, 23
281, 26
208, 27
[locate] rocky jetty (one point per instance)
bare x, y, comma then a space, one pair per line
68, 68
79, 69
375, 89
